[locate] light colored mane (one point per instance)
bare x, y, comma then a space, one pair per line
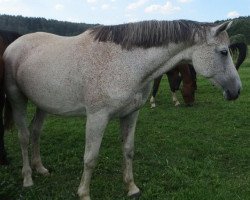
152, 33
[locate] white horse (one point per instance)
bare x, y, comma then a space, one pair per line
104, 73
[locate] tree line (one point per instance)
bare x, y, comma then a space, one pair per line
23, 25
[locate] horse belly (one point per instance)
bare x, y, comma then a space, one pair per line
52, 93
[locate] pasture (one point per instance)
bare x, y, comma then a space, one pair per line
182, 153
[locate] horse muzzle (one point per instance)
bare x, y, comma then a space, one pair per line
229, 95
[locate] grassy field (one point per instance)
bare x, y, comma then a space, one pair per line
182, 153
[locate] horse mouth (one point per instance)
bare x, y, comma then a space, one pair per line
231, 96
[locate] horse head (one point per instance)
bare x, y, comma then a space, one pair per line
212, 59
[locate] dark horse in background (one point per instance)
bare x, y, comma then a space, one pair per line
186, 74
6, 37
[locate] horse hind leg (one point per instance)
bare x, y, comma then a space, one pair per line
36, 130
19, 108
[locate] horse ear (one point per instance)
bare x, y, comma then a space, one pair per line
220, 28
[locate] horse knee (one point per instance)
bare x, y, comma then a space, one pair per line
128, 153
24, 139
90, 162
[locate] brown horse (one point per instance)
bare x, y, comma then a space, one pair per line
187, 74
184, 73
6, 37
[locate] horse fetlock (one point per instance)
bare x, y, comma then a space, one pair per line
177, 103
152, 100
83, 193
38, 166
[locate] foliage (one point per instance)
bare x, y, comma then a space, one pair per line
238, 38
240, 25
25, 25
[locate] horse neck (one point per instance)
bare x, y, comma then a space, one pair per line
164, 59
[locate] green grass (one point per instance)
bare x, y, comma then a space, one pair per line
196, 153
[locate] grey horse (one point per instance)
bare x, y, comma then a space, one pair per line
105, 73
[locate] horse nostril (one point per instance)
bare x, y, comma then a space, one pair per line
232, 96
228, 93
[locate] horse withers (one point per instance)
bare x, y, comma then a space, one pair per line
105, 73
6, 37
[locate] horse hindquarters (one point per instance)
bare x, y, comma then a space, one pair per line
19, 108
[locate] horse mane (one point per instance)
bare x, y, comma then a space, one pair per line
152, 33
9, 36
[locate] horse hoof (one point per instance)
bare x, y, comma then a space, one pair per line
27, 182
135, 196
85, 198
43, 171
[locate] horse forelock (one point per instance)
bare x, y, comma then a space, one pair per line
153, 33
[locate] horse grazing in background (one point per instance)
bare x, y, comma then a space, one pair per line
104, 73
6, 37
186, 74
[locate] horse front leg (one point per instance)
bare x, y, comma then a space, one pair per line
95, 127
36, 130
128, 125
156, 85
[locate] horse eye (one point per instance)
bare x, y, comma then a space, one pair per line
224, 52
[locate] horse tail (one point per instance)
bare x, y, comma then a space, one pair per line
8, 116
242, 48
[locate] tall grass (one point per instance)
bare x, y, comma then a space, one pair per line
182, 153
